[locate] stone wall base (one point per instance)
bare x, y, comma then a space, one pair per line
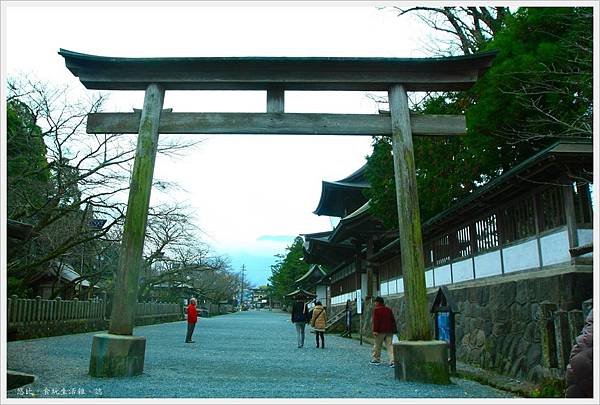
117, 355
35, 330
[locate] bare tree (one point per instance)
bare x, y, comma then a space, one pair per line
176, 258
86, 176
467, 28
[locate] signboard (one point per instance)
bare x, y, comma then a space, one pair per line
443, 324
358, 301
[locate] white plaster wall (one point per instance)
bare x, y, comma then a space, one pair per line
488, 264
384, 289
521, 256
462, 270
585, 236
555, 248
429, 278
442, 275
392, 287
341, 299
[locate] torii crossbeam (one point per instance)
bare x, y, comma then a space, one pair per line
275, 75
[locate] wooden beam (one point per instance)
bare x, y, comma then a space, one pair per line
275, 100
277, 123
130, 257
409, 218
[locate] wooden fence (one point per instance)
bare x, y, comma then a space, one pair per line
157, 309
23, 310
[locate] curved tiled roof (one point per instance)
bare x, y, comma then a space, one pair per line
343, 196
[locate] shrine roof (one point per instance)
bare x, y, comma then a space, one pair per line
290, 73
343, 196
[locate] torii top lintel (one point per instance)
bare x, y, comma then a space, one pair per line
287, 73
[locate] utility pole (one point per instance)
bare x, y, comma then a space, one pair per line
242, 292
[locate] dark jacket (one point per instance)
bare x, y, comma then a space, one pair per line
383, 320
580, 371
299, 312
192, 314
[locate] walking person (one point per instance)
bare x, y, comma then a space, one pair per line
299, 318
348, 316
319, 322
192, 318
384, 327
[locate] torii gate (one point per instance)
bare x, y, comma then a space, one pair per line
118, 353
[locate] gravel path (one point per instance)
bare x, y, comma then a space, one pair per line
243, 355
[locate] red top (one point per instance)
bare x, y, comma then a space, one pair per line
383, 320
192, 314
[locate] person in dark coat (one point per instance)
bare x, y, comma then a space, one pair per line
580, 370
299, 318
192, 318
384, 327
348, 319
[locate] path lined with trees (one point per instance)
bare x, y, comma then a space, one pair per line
249, 354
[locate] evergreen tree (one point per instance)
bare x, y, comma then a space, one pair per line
538, 89
288, 269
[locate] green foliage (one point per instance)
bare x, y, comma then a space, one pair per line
538, 89
540, 85
549, 388
28, 174
288, 269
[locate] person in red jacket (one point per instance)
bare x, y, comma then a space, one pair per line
192, 318
384, 327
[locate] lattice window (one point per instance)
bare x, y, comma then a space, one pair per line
552, 208
518, 220
463, 242
487, 233
441, 250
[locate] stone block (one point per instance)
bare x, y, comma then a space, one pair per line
575, 318
117, 355
485, 296
422, 361
516, 369
562, 338
479, 339
508, 292
16, 379
487, 327
521, 296
534, 355
498, 328
529, 332
586, 307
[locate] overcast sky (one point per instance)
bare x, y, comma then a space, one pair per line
251, 194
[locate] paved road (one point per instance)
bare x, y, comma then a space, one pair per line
243, 355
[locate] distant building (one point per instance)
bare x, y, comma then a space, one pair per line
60, 278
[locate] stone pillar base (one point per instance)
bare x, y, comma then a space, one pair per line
117, 355
422, 361
15, 379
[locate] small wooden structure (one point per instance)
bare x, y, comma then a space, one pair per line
275, 75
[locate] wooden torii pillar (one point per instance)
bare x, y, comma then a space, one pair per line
118, 352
